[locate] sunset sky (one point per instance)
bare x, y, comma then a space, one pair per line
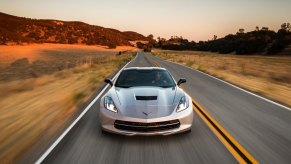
193, 19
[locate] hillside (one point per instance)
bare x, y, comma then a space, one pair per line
20, 30
259, 41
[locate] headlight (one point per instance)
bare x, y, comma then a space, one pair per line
109, 104
183, 104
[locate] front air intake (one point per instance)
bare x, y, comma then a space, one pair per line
145, 98
146, 127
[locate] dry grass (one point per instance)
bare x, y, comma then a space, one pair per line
37, 108
34, 52
268, 76
23, 62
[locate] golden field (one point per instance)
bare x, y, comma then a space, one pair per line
269, 76
34, 52
33, 110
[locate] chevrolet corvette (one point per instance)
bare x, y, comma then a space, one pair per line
145, 101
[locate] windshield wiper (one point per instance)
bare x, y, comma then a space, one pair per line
124, 86
166, 86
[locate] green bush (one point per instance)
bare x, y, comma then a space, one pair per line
78, 96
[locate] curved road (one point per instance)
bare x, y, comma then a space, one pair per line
261, 127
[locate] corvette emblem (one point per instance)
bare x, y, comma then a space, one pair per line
147, 113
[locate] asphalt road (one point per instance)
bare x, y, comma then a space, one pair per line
261, 127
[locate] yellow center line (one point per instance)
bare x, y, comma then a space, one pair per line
230, 143
240, 153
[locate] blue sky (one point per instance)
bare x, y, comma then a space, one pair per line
192, 19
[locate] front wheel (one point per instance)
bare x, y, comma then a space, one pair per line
187, 132
104, 132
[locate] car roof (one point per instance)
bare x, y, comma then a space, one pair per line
144, 68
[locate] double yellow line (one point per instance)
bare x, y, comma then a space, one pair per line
229, 142
240, 153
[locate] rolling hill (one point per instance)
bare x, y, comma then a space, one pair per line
19, 30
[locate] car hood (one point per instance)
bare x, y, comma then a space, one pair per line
146, 102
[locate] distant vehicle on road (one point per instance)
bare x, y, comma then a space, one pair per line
145, 101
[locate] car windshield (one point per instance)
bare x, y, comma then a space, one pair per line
135, 78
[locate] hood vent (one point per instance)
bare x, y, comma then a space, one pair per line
146, 98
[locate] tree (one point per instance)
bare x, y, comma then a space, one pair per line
265, 28
33, 35
241, 31
72, 40
277, 46
286, 27
214, 37
112, 45
151, 36
152, 41
257, 28
139, 45
147, 48
159, 39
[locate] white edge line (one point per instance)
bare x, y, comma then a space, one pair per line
268, 100
59, 139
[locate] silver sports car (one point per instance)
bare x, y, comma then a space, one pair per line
145, 101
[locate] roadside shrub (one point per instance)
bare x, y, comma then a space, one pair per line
78, 96
277, 46
139, 45
189, 63
111, 45
147, 48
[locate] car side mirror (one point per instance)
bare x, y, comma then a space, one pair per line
108, 81
182, 80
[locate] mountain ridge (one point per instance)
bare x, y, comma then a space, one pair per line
21, 30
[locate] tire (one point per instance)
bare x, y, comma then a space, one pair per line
187, 132
104, 132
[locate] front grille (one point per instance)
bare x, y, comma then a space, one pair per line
146, 127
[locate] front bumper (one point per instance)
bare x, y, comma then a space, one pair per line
111, 123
